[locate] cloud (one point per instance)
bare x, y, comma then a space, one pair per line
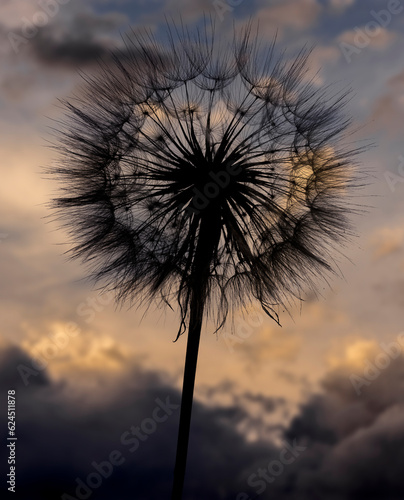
388, 110
386, 241
10, 357
340, 6
81, 40
296, 15
40, 65
359, 38
265, 344
73, 428
190, 12
391, 292
353, 443
70, 37
13, 13
320, 57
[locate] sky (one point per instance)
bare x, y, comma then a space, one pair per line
312, 409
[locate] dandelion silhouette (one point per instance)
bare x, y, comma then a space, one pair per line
207, 175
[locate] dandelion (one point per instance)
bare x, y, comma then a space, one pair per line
205, 175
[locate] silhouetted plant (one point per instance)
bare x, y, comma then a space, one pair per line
208, 175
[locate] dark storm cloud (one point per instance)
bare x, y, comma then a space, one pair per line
61, 435
10, 358
82, 40
354, 445
69, 38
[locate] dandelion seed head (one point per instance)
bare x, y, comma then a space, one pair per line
180, 136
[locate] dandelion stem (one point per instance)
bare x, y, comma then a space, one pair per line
209, 234
191, 359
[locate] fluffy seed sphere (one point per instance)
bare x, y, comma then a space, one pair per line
183, 141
